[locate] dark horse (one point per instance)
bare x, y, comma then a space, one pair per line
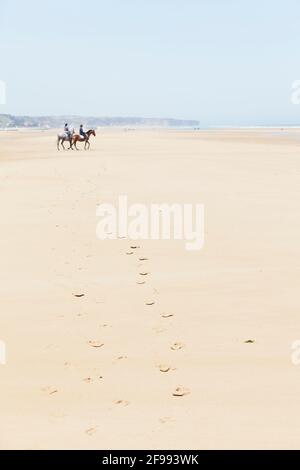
86, 140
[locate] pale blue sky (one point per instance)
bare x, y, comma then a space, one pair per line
220, 61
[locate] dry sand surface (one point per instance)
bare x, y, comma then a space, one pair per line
58, 390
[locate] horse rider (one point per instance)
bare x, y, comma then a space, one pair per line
82, 133
67, 130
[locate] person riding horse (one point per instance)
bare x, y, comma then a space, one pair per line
82, 133
67, 130
83, 137
66, 135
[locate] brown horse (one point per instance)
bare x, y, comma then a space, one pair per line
86, 140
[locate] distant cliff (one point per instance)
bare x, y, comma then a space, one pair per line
9, 121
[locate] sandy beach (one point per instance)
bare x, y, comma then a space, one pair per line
89, 364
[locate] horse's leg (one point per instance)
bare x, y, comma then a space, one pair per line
58, 139
62, 144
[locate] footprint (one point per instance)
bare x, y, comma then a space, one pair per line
249, 341
119, 358
144, 274
159, 330
89, 380
58, 414
90, 431
79, 295
95, 344
129, 253
143, 259
165, 419
164, 368
167, 315
50, 390
150, 303
176, 346
141, 282
181, 392
134, 247
122, 402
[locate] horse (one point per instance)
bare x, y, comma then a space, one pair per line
61, 138
86, 140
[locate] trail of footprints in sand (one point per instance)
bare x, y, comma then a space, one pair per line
144, 274
143, 277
